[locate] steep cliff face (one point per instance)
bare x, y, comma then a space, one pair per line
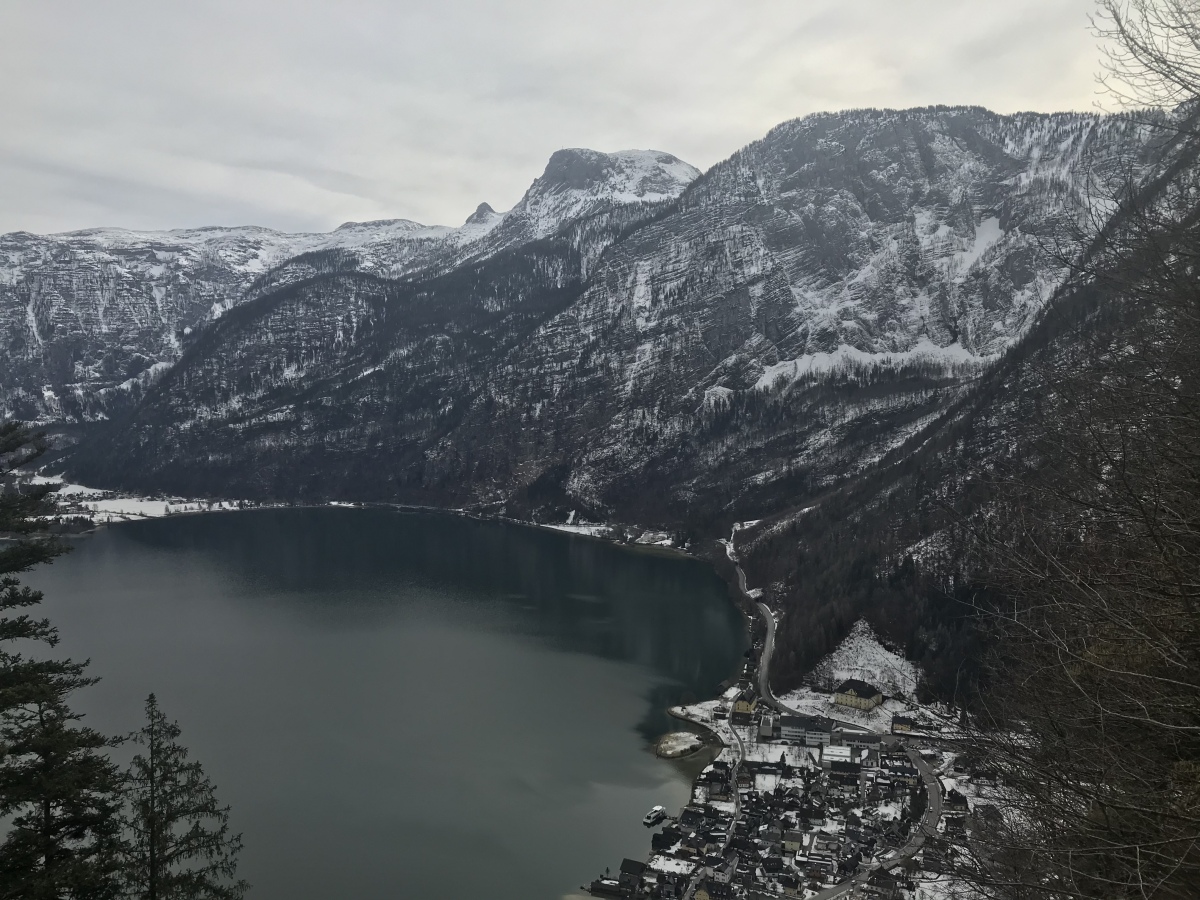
89, 319
809, 304
802, 308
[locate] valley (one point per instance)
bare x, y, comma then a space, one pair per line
830, 346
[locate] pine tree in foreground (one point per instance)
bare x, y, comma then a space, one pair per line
61, 790
180, 845
59, 794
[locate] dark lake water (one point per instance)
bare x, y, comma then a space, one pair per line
402, 705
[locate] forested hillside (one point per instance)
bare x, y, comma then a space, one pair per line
832, 331
900, 544
798, 312
1038, 551
90, 319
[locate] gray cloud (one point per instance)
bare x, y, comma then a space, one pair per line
304, 115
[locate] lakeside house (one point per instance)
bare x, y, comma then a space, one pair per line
743, 712
857, 694
630, 876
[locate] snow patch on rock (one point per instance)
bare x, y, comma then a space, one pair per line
862, 655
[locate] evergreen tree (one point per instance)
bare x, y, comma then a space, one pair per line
181, 846
58, 789
23, 524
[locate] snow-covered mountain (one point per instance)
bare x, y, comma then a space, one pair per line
575, 181
630, 339
730, 337
90, 318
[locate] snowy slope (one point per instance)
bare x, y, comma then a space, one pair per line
90, 318
905, 247
800, 310
575, 181
863, 656
797, 312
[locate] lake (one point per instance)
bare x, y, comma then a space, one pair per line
402, 704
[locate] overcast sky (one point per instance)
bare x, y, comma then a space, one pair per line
302, 115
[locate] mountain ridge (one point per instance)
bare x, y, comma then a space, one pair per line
797, 311
116, 305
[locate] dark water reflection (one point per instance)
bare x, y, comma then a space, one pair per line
403, 705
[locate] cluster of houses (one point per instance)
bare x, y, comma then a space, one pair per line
809, 804
805, 804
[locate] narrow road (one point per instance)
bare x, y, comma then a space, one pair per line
764, 669
933, 811
933, 786
764, 661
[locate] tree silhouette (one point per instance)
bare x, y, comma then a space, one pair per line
57, 786
180, 844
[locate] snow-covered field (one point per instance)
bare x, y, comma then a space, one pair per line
103, 507
702, 714
655, 538
589, 530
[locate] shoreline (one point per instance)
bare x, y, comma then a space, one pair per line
734, 581
711, 738
244, 505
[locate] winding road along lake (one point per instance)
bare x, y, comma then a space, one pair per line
402, 705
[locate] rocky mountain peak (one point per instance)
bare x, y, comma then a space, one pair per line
482, 215
574, 169
393, 226
640, 338
578, 181
627, 175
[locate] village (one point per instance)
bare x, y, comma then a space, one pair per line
808, 805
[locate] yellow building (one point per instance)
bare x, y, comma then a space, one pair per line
858, 694
743, 712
